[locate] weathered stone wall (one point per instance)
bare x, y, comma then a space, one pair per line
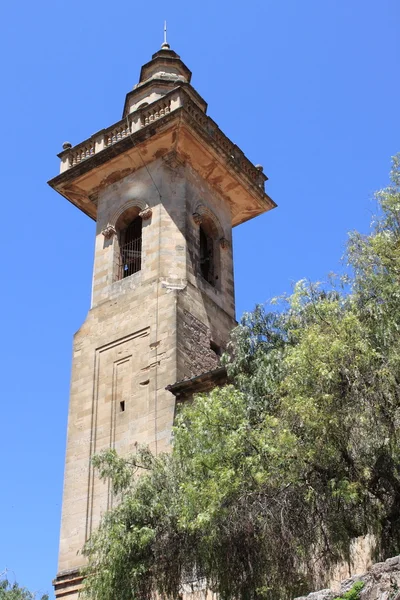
206, 313
201, 324
194, 346
381, 582
203, 201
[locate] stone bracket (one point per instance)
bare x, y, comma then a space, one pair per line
109, 231
146, 213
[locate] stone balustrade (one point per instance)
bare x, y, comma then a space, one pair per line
235, 154
112, 135
116, 133
160, 109
147, 115
81, 152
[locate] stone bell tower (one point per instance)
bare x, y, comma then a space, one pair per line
165, 187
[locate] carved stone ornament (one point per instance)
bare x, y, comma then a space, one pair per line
146, 213
224, 243
109, 231
197, 218
173, 160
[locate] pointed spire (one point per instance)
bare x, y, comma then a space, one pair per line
165, 45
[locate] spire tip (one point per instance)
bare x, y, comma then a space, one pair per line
165, 45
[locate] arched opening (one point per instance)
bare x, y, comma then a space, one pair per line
207, 256
131, 248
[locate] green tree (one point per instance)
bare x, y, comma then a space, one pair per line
271, 477
12, 591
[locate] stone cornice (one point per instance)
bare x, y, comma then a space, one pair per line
200, 383
202, 121
173, 112
67, 583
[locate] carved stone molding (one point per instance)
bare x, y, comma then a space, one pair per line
173, 160
197, 218
224, 243
134, 202
67, 583
109, 231
202, 214
94, 197
146, 213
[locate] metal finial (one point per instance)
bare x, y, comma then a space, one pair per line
165, 45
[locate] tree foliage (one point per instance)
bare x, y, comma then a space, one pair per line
353, 593
271, 477
12, 591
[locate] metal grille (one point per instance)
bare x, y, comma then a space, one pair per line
207, 257
131, 249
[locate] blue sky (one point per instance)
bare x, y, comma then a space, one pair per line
309, 89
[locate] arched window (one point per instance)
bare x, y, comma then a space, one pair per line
207, 263
131, 248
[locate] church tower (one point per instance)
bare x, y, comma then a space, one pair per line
165, 187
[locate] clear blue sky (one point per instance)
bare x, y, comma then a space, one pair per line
309, 89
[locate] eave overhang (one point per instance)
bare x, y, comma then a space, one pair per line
192, 135
199, 384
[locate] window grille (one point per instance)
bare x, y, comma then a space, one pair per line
207, 256
131, 249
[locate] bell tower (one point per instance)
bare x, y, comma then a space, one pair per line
165, 187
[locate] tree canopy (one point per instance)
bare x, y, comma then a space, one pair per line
13, 591
271, 477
